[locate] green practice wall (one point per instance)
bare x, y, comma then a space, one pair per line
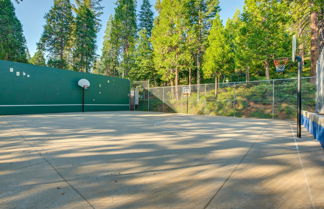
29, 89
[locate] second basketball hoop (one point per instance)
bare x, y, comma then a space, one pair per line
281, 63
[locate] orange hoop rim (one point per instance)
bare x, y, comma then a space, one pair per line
281, 61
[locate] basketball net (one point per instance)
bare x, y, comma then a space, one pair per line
280, 64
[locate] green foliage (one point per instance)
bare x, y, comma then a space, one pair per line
57, 36
200, 14
85, 34
146, 18
144, 66
240, 100
266, 31
123, 34
218, 51
12, 40
171, 54
186, 39
38, 58
109, 57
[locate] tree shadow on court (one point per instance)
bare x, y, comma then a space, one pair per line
143, 160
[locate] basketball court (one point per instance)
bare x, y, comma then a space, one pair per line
146, 160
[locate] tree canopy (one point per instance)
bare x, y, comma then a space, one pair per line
174, 45
12, 40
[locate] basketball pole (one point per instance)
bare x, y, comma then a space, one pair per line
83, 92
299, 97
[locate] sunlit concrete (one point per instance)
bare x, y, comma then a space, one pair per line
124, 160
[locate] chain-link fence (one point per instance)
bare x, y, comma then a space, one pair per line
259, 99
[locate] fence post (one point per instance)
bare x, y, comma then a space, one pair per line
163, 100
273, 99
234, 101
205, 89
148, 96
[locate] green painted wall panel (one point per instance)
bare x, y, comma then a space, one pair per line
28, 89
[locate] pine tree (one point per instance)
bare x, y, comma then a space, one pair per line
12, 40
144, 66
124, 30
109, 56
38, 58
56, 38
217, 53
169, 37
200, 14
266, 33
146, 17
84, 34
237, 38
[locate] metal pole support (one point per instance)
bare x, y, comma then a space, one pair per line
163, 99
273, 99
83, 93
299, 96
148, 96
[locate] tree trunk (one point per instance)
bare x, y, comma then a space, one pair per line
176, 82
247, 74
321, 30
172, 89
267, 70
189, 78
314, 42
198, 77
216, 85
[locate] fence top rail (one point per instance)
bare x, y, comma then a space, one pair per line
234, 83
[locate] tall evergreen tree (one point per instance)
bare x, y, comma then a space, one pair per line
56, 38
217, 53
144, 66
306, 16
124, 30
85, 34
38, 58
12, 40
109, 56
200, 14
237, 38
146, 17
267, 36
169, 36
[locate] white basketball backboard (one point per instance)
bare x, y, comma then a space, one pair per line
186, 90
84, 83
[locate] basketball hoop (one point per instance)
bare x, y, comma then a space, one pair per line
281, 63
84, 83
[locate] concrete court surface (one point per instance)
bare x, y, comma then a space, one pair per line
124, 160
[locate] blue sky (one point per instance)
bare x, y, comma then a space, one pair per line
31, 14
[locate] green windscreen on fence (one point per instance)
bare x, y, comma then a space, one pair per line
26, 88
